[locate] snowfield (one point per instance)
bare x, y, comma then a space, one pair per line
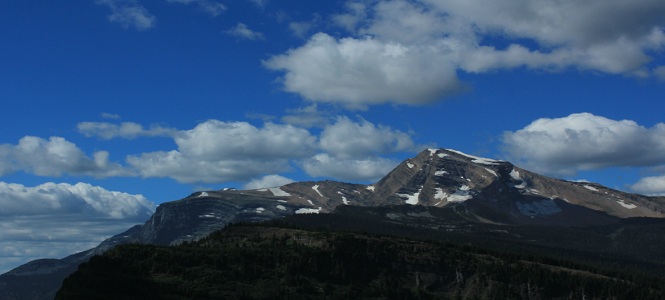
277, 192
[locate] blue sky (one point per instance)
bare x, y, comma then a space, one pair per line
111, 107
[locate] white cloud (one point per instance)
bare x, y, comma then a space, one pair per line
210, 7
55, 157
409, 52
358, 72
81, 198
353, 169
213, 140
267, 181
216, 151
55, 220
584, 141
129, 13
652, 185
347, 139
128, 130
242, 31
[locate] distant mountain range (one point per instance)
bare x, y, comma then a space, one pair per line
495, 195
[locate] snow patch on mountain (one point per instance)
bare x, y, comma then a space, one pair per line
476, 159
370, 188
440, 194
259, 210
440, 173
203, 194
281, 207
277, 192
410, 199
588, 187
516, 175
492, 172
461, 195
626, 205
308, 211
310, 202
410, 165
346, 202
316, 189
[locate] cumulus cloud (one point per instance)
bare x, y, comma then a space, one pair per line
652, 185
267, 181
127, 130
242, 31
563, 146
358, 72
216, 151
55, 157
409, 52
129, 13
354, 151
348, 139
369, 168
58, 219
210, 7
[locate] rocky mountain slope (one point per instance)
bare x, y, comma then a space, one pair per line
492, 191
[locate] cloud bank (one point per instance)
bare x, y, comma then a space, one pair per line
564, 146
216, 151
58, 219
585, 142
55, 157
410, 52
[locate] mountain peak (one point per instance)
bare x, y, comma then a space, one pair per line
443, 153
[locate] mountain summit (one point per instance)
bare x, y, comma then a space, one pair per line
478, 189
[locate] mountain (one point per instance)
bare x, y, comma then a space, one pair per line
480, 190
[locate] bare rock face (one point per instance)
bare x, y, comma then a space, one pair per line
440, 177
487, 190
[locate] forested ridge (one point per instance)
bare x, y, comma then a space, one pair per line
282, 260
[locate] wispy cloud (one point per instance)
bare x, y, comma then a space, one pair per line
129, 13
242, 31
127, 130
212, 8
